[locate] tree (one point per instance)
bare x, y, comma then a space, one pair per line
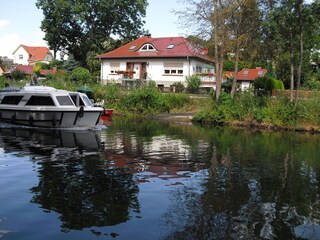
243, 29
82, 26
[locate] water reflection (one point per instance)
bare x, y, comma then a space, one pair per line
73, 179
216, 183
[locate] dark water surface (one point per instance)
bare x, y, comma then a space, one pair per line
153, 180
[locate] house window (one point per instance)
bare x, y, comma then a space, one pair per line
147, 47
260, 73
114, 68
20, 56
245, 72
170, 46
173, 68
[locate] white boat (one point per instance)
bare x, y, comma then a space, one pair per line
42, 106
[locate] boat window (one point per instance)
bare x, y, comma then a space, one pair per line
74, 98
64, 101
40, 101
87, 101
13, 100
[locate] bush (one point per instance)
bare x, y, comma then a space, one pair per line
194, 83
81, 75
18, 75
146, 100
174, 100
179, 87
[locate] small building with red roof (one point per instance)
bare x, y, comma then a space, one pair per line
27, 55
165, 60
247, 76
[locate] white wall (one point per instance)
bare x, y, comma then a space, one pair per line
155, 70
25, 56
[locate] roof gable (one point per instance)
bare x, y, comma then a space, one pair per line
164, 47
35, 53
251, 74
248, 74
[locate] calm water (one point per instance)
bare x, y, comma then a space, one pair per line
153, 180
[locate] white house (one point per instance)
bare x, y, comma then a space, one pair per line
247, 76
164, 60
27, 55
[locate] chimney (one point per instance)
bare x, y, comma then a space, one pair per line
205, 51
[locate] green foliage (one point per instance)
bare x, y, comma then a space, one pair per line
194, 83
82, 26
179, 87
152, 83
17, 75
250, 109
70, 64
3, 82
145, 100
227, 85
175, 100
43, 65
312, 85
266, 84
113, 94
81, 75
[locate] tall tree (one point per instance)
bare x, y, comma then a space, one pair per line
81, 26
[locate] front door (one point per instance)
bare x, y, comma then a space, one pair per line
137, 70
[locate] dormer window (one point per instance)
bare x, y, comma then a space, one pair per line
147, 47
170, 46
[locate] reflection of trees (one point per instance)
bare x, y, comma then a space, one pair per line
85, 193
260, 185
73, 178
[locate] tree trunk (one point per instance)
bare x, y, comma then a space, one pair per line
301, 55
291, 68
234, 83
216, 53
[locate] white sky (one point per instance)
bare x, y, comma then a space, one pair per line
20, 22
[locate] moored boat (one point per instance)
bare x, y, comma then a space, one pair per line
43, 106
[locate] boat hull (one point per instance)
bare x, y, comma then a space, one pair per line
52, 118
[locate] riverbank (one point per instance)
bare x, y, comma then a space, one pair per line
187, 118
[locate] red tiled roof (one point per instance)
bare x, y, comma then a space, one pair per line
181, 48
248, 74
36, 53
26, 69
46, 72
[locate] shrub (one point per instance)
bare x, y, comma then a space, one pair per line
179, 87
194, 83
18, 75
174, 100
145, 100
81, 75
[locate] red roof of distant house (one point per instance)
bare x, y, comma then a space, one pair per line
36, 53
26, 69
248, 74
50, 71
167, 47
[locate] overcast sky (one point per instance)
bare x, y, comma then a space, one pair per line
20, 22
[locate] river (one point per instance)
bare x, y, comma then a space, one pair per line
138, 179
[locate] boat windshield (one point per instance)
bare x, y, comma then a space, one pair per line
87, 101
